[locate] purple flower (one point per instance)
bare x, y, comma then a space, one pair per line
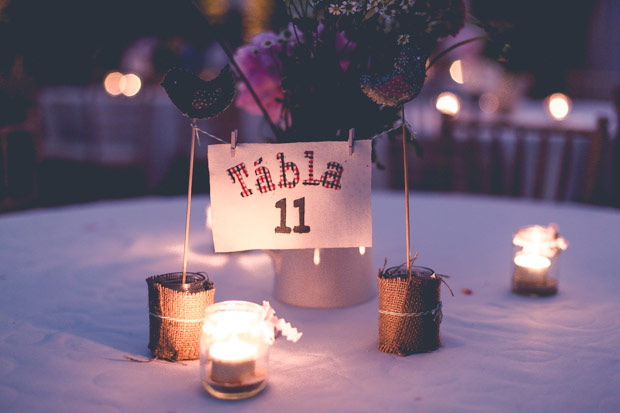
259, 62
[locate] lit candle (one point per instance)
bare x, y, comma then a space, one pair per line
532, 268
233, 361
234, 347
536, 250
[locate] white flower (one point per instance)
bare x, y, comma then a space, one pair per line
335, 9
373, 5
405, 4
388, 8
350, 7
403, 39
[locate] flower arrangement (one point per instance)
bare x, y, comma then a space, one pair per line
305, 79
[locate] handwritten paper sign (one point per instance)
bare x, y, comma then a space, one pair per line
290, 195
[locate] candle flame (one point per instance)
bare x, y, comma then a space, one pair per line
534, 262
233, 350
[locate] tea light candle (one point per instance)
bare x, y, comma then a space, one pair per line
232, 361
533, 268
536, 251
234, 347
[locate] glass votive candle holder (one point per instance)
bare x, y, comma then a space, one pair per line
536, 253
234, 349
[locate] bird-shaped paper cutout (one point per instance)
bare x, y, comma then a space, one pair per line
403, 83
197, 98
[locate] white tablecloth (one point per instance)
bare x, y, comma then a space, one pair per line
73, 302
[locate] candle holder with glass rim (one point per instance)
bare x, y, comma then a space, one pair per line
234, 347
536, 253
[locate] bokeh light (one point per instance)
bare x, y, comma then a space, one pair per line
116, 83
558, 106
112, 83
489, 103
456, 72
448, 103
215, 10
131, 85
255, 17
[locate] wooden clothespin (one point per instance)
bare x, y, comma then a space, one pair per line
233, 142
351, 137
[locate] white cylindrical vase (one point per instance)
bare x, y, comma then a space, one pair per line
324, 277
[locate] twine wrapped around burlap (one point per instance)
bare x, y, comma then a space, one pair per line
409, 310
176, 314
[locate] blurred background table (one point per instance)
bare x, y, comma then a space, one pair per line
73, 303
94, 145
64, 139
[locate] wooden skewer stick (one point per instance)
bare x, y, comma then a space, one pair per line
189, 198
402, 113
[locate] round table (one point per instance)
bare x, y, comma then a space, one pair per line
73, 303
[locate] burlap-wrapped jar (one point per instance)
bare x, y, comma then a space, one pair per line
176, 314
409, 310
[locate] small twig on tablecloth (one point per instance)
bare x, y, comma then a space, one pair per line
129, 358
138, 360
